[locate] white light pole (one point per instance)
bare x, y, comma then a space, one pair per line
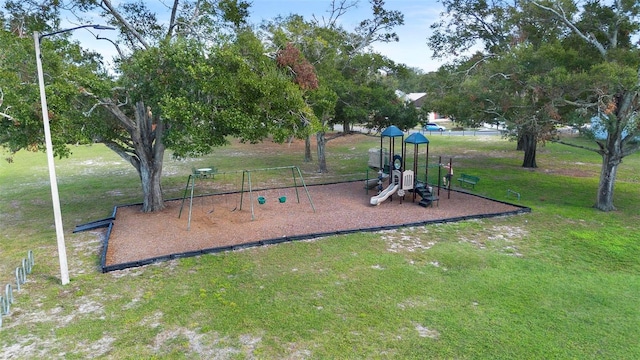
62, 252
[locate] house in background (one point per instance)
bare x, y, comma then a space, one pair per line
417, 99
598, 128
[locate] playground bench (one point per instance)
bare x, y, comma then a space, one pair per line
468, 179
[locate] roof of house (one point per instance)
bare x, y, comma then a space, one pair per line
415, 96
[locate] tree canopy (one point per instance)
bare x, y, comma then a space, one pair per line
183, 84
350, 82
187, 78
545, 63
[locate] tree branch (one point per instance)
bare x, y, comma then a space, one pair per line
631, 149
125, 23
577, 146
172, 21
112, 107
123, 153
120, 53
337, 9
589, 38
5, 115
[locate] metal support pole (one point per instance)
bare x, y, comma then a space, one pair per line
250, 194
439, 173
242, 191
306, 190
450, 179
426, 167
184, 195
193, 185
295, 184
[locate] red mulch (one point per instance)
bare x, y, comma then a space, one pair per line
217, 222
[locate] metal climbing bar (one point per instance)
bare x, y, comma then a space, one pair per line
514, 193
8, 292
21, 277
22, 271
30, 261
5, 303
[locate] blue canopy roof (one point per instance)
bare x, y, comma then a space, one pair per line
392, 131
416, 138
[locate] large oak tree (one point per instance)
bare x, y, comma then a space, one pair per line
606, 85
182, 82
542, 63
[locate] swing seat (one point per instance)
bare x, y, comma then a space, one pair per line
261, 200
282, 199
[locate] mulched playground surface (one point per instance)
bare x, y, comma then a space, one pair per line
218, 224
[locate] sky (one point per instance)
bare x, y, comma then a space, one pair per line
411, 50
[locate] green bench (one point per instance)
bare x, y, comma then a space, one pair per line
466, 179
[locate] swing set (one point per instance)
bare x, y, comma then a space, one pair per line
208, 173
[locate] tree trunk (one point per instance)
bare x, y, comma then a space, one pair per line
147, 154
150, 177
613, 149
307, 149
604, 200
346, 127
322, 161
520, 144
530, 144
612, 153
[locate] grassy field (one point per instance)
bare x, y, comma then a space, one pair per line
559, 283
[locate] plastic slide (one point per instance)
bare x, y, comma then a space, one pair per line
390, 190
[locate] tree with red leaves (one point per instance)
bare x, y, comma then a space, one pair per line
304, 73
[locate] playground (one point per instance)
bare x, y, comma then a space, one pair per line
368, 288
216, 226
247, 217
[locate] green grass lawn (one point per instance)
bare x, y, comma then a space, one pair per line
559, 283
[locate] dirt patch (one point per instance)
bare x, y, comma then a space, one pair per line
426, 332
219, 220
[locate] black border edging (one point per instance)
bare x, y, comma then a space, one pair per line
285, 239
105, 243
94, 224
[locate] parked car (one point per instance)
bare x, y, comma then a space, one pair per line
434, 127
